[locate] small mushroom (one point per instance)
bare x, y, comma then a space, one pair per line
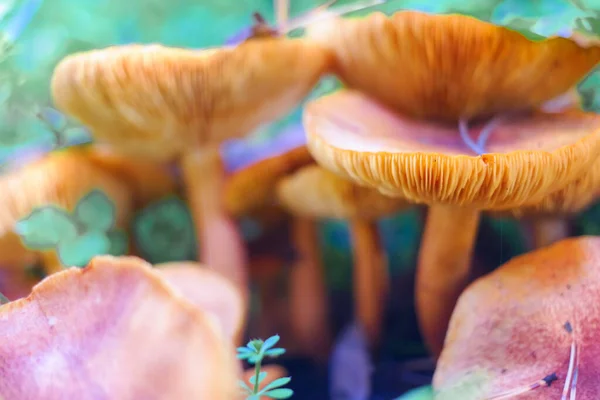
427, 162
252, 187
528, 330
61, 179
313, 193
114, 329
174, 104
250, 191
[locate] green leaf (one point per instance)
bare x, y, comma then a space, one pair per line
164, 232
45, 227
277, 383
270, 342
244, 350
273, 353
55, 119
261, 377
79, 251
421, 393
279, 393
255, 345
119, 243
95, 211
244, 386
254, 358
3, 299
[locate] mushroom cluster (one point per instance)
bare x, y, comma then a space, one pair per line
417, 89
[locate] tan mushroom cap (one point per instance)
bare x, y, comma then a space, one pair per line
62, 179
316, 192
113, 329
158, 102
210, 292
573, 198
507, 330
147, 180
253, 187
451, 66
353, 136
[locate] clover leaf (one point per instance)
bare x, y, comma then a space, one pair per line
119, 242
79, 251
95, 212
76, 237
164, 231
46, 227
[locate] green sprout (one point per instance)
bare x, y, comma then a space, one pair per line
255, 352
76, 237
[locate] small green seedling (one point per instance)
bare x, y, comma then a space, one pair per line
255, 352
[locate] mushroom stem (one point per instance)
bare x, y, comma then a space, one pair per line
309, 309
371, 280
548, 230
443, 269
220, 242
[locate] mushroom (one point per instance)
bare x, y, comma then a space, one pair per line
425, 162
174, 104
454, 68
253, 174
312, 193
114, 329
435, 73
528, 329
63, 179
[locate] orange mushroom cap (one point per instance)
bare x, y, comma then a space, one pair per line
114, 330
316, 192
253, 187
158, 101
424, 162
448, 67
509, 329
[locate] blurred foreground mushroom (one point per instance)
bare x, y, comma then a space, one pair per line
113, 330
174, 104
211, 292
437, 73
426, 163
528, 330
314, 192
